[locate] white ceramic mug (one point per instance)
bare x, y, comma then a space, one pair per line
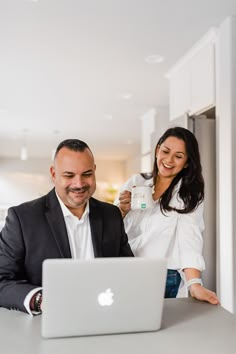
141, 197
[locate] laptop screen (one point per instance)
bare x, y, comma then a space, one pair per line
102, 295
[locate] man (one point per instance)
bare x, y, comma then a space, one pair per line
65, 223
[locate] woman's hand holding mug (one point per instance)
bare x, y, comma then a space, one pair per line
124, 202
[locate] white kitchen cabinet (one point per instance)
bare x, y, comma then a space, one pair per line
180, 99
202, 80
192, 79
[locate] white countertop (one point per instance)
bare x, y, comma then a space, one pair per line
188, 326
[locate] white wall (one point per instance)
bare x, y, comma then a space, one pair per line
226, 173
233, 159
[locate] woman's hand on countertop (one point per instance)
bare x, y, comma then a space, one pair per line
200, 293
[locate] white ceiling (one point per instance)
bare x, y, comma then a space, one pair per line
65, 64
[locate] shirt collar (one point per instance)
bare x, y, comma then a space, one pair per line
67, 213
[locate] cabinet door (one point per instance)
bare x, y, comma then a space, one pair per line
202, 79
180, 91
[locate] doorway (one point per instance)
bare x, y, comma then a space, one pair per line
204, 128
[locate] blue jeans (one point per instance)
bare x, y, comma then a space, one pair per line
172, 283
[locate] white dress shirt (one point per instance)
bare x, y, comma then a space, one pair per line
178, 237
80, 240
79, 233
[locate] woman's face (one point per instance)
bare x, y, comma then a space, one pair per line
171, 157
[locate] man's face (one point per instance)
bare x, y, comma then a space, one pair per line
73, 175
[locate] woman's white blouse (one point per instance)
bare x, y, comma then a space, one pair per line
178, 237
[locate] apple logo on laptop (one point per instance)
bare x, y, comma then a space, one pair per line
106, 298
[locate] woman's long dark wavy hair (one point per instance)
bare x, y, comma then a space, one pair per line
192, 185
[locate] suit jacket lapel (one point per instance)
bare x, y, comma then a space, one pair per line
57, 224
96, 225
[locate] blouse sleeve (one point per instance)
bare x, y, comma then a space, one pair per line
189, 237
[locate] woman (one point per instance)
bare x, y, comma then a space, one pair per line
173, 227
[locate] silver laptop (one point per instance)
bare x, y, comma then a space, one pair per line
102, 296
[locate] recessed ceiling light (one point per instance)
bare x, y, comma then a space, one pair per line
154, 59
56, 132
108, 117
126, 96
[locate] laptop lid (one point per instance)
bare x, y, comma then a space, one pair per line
102, 296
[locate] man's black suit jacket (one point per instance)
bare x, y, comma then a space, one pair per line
36, 230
